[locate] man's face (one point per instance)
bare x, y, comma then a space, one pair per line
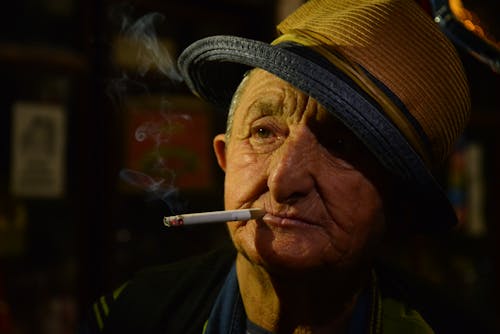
287, 155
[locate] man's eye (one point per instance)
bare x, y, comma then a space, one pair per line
339, 145
261, 132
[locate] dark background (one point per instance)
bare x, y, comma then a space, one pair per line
80, 245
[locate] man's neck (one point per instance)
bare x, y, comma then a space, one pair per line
318, 303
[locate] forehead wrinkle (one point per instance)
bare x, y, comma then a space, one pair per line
313, 110
301, 107
294, 103
277, 98
308, 110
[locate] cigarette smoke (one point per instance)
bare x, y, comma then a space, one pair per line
151, 55
156, 188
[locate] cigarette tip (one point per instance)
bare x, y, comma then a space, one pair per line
173, 221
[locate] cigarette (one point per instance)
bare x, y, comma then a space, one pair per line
213, 217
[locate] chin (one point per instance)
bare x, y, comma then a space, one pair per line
291, 250
291, 260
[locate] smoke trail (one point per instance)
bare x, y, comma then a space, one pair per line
150, 55
160, 132
155, 187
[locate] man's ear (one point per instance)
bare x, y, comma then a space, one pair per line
220, 150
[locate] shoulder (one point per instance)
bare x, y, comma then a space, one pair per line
398, 317
149, 302
187, 272
396, 311
425, 305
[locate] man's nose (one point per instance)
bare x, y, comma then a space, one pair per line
292, 167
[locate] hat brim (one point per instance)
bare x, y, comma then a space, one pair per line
214, 66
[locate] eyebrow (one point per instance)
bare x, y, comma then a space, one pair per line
263, 108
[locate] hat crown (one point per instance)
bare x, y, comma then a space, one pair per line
400, 45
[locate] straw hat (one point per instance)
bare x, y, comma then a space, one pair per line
382, 67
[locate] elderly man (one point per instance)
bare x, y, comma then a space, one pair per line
334, 131
325, 198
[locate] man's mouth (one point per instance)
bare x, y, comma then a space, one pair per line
285, 221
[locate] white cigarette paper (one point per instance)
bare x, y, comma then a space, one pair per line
213, 217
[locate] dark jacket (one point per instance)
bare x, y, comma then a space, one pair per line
160, 299
171, 299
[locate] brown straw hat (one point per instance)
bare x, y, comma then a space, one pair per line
382, 67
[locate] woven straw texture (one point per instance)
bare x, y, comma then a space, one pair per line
421, 67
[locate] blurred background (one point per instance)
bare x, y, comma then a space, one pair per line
99, 139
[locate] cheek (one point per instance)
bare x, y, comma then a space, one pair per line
357, 208
350, 194
245, 177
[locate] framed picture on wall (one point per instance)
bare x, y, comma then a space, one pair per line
38, 150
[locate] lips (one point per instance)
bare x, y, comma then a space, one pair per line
281, 221
289, 218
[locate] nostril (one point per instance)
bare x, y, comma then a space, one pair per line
294, 198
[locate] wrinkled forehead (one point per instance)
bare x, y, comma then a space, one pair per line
264, 93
